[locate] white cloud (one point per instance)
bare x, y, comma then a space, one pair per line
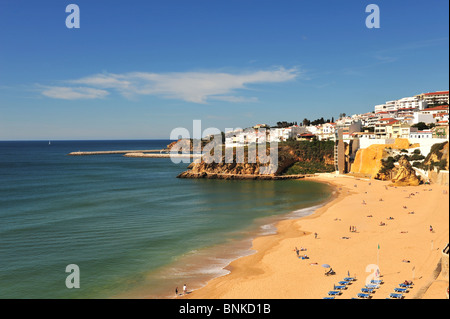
74, 93
196, 87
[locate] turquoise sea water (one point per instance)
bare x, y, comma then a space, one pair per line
132, 227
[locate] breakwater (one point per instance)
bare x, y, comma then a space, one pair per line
79, 153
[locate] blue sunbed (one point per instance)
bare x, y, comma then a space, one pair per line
365, 296
405, 286
367, 290
376, 282
396, 296
344, 283
340, 287
400, 290
328, 298
333, 293
349, 279
372, 286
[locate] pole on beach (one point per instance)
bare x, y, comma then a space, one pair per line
378, 255
378, 260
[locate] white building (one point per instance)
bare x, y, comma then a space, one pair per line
285, 133
421, 134
433, 98
423, 117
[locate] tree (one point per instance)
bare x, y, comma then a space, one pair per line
306, 122
421, 126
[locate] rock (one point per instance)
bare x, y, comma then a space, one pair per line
368, 161
405, 175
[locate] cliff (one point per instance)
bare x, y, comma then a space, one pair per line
438, 157
312, 155
405, 175
368, 161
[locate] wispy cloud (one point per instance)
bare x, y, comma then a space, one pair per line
74, 93
196, 87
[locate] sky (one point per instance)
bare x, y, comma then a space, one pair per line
139, 69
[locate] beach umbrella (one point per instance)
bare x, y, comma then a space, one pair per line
326, 266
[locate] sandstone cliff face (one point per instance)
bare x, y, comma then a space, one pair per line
405, 174
368, 161
438, 153
308, 158
203, 169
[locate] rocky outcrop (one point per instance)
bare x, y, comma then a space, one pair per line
368, 161
405, 175
438, 153
287, 155
224, 170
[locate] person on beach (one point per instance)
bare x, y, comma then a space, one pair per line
431, 229
184, 289
315, 235
297, 251
176, 291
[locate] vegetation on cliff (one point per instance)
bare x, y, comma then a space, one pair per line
311, 157
437, 158
294, 157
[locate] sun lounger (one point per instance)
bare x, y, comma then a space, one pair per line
402, 285
396, 296
400, 290
349, 279
344, 282
340, 287
364, 296
376, 282
333, 293
372, 286
328, 298
367, 290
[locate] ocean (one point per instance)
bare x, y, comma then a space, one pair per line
133, 229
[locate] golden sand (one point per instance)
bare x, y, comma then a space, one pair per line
408, 249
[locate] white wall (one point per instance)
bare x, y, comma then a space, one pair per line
426, 118
425, 144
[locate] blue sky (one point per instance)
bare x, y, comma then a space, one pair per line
139, 69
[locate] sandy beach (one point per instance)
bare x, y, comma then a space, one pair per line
408, 250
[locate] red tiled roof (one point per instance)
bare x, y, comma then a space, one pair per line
392, 122
437, 93
437, 108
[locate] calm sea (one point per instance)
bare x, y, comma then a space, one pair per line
133, 229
